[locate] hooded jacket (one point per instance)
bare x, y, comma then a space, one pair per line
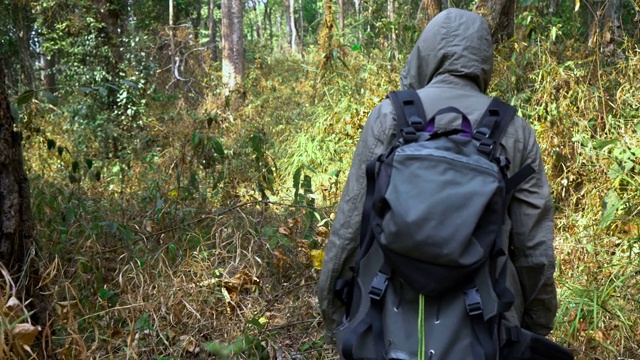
451, 65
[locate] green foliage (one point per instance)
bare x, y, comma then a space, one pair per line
175, 220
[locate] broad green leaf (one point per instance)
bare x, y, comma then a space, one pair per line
217, 148
131, 84
25, 97
601, 144
51, 144
51, 98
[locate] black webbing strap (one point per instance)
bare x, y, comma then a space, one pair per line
366, 237
518, 178
410, 114
372, 319
488, 348
489, 132
492, 126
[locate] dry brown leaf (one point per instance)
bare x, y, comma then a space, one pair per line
242, 280
13, 310
24, 334
283, 230
189, 344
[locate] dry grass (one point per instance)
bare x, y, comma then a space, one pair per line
147, 265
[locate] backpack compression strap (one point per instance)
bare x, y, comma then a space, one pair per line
489, 132
410, 115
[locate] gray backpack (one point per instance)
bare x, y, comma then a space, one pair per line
425, 283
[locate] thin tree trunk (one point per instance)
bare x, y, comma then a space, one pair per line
428, 10
392, 18
341, 15
606, 27
292, 18
258, 24
112, 31
327, 32
267, 20
172, 39
212, 31
287, 14
49, 73
501, 16
19, 251
197, 20
301, 37
24, 26
232, 44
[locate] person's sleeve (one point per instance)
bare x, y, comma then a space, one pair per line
532, 232
340, 249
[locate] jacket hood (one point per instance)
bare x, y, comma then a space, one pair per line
455, 42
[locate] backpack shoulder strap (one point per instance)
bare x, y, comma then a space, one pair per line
489, 132
492, 126
410, 114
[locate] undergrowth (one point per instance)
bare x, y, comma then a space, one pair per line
201, 235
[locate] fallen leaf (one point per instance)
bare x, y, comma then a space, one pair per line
24, 334
13, 310
283, 230
189, 344
317, 256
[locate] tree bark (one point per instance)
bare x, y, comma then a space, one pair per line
341, 15
292, 18
327, 32
606, 26
501, 16
23, 21
392, 18
301, 32
288, 20
49, 73
18, 245
111, 14
428, 10
196, 20
232, 44
212, 31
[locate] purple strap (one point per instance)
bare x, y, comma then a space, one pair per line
465, 124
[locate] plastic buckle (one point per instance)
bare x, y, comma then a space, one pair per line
416, 123
378, 286
409, 134
504, 163
481, 134
486, 146
472, 301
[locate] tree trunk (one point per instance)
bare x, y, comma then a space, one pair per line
212, 31
232, 44
196, 21
18, 245
110, 15
287, 14
501, 16
327, 32
428, 9
267, 21
49, 73
341, 15
292, 18
301, 32
606, 27
392, 18
24, 28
